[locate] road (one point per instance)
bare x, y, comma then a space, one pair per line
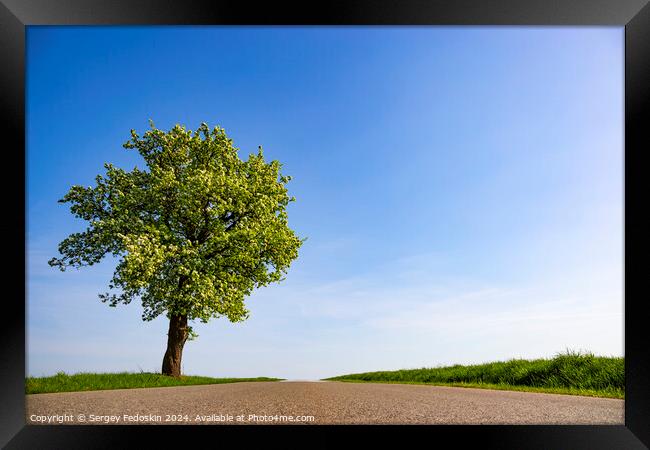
326, 402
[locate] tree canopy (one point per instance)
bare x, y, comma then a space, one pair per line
194, 232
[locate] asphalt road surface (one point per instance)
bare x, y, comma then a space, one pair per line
318, 403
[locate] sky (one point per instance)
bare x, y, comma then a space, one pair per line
460, 189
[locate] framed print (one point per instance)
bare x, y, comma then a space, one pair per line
435, 231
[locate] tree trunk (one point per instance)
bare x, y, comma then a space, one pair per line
176, 338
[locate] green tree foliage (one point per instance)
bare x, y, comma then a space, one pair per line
194, 233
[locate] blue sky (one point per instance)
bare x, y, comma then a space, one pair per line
461, 189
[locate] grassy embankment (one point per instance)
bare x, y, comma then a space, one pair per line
567, 373
62, 382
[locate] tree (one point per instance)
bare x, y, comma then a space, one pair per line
193, 235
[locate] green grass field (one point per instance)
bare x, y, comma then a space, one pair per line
567, 373
62, 382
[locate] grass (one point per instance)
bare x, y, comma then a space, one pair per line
62, 382
573, 373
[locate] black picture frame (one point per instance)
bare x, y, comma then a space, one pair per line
634, 15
